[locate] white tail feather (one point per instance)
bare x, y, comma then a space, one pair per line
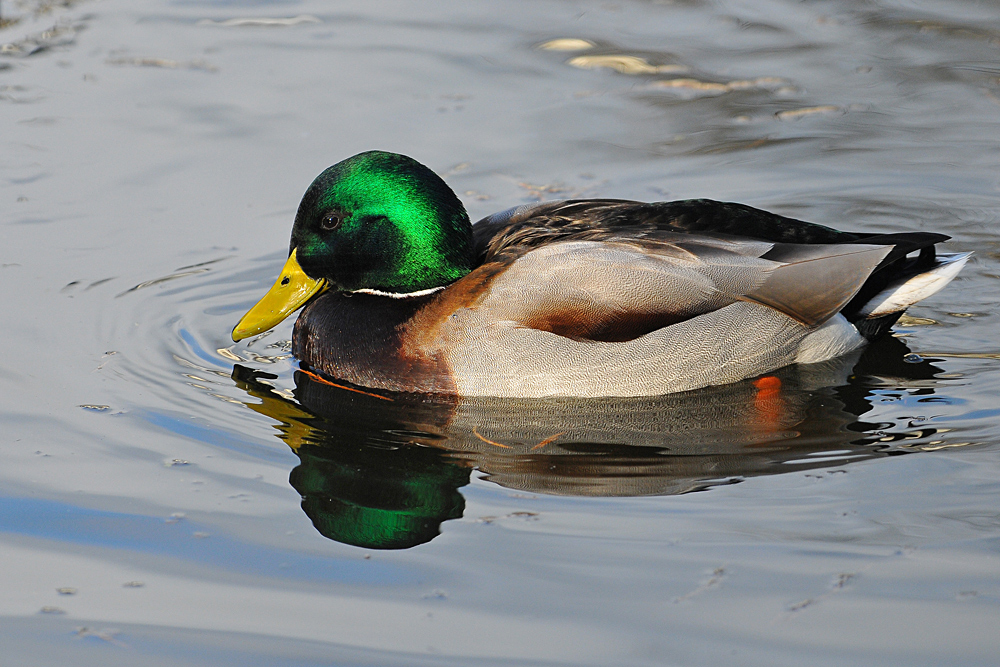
900, 295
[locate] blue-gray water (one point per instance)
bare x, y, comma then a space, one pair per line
157, 511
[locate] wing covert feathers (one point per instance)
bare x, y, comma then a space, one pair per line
815, 284
616, 291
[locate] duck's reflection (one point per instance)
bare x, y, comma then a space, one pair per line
383, 471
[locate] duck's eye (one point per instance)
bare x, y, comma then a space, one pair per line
331, 221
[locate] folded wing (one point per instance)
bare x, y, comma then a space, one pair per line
618, 290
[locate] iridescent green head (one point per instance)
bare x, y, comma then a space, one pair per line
376, 221
382, 221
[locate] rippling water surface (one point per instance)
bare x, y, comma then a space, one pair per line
169, 498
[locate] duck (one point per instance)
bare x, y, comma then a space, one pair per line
584, 298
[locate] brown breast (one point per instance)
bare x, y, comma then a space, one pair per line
360, 338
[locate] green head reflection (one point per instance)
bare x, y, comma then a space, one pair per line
379, 498
363, 475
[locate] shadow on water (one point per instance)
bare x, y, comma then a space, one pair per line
384, 471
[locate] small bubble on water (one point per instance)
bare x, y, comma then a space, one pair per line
913, 358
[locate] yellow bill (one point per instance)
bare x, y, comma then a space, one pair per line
291, 291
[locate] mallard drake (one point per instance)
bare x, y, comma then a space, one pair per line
587, 298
